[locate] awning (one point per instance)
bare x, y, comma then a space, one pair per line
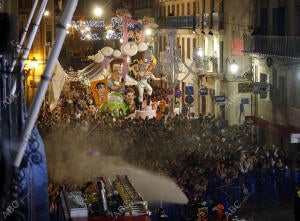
285, 131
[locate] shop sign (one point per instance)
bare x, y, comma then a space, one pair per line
220, 99
295, 138
203, 91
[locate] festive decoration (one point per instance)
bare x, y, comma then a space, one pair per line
100, 91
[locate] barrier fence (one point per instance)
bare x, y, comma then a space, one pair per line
259, 187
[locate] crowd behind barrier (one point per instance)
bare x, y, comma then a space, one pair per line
209, 160
238, 196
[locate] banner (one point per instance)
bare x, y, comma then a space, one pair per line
100, 91
237, 47
56, 85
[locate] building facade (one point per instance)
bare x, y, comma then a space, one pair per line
261, 37
273, 47
216, 28
258, 37
197, 29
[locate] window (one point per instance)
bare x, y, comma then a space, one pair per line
274, 86
21, 3
263, 21
203, 104
297, 19
295, 90
194, 44
278, 21
161, 11
183, 49
282, 91
221, 46
263, 92
161, 48
188, 8
48, 36
205, 20
215, 20
182, 9
212, 6
188, 48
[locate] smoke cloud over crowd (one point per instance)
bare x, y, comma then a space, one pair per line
74, 155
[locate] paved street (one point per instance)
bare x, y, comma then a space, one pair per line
273, 211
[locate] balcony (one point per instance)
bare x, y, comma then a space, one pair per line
178, 22
145, 4
281, 46
212, 21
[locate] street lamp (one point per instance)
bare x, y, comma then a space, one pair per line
48, 32
148, 32
29, 71
46, 13
33, 64
200, 52
233, 67
98, 11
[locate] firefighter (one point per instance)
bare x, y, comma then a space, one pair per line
221, 213
202, 216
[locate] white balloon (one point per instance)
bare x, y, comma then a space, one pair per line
107, 51
99, 58
154, 25
129, 48
142, 46
117, 53
91, 57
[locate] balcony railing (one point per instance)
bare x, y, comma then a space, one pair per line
205, 21
283, 46
186, 21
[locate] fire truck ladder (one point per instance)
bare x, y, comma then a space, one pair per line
133, 201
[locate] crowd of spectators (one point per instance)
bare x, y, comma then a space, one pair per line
198, 153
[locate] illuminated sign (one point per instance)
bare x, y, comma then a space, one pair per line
220, 99
90, 24
295, 138
203, 91
96, 30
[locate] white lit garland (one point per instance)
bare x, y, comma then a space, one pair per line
115, 30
